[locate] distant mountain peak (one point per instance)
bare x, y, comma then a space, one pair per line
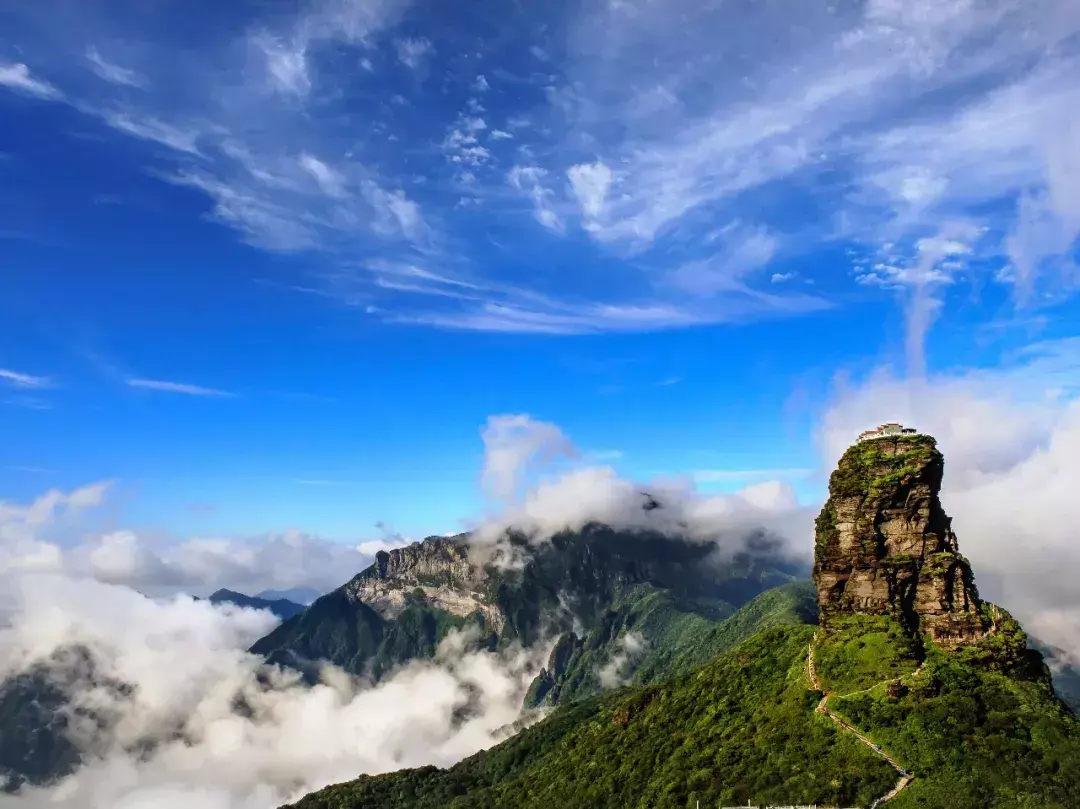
437, 570
297, 595
225, 593
282, 608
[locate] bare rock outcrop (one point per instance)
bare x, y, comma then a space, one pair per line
884, 545
439, 570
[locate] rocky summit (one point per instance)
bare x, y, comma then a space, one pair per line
884, 545
436, 570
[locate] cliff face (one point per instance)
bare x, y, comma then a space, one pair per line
884, 545
597, 582
436, 570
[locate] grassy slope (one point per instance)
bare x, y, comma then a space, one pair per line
741, 727
976, 737
679, 634
683, 645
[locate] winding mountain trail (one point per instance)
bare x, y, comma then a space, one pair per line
822, 708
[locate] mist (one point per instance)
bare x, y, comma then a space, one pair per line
176, 738
175, 735
182, 714
539, 483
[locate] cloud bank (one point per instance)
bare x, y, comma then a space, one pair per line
566, 491
177, 738
164, 676
52, 535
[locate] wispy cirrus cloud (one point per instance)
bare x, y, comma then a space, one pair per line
177, 387
906, 101
21, 380
703, 149
179, 137
18, 77
112, 72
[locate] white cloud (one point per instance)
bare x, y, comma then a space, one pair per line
781, 277
462, 144
266, 128
935, 110
413, 52
513, 446
176, 387
542, 485
743, 249
612, 674
529, 179
371, 547
258, 159
55, 534
894, 120
114, 73
187, 670
331, 181
394, 212
182, 139
20, 380
17, 76
590, 183
264, 220
934, 262
1048, 221
534, 314
286, 63
285, 52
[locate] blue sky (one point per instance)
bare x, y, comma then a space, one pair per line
273, 264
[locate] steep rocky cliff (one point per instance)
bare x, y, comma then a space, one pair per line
599, 583
438, 571
884, 545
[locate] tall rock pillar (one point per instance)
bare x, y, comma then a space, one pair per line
884, 545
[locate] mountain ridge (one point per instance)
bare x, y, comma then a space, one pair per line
914, 660
409, 599
281, 607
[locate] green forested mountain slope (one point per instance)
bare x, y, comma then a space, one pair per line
669, 594
912, 661
673, 637
980, 727
742, 727
352, 635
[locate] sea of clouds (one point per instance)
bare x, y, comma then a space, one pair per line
186, 661
1011, 438
176, 737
